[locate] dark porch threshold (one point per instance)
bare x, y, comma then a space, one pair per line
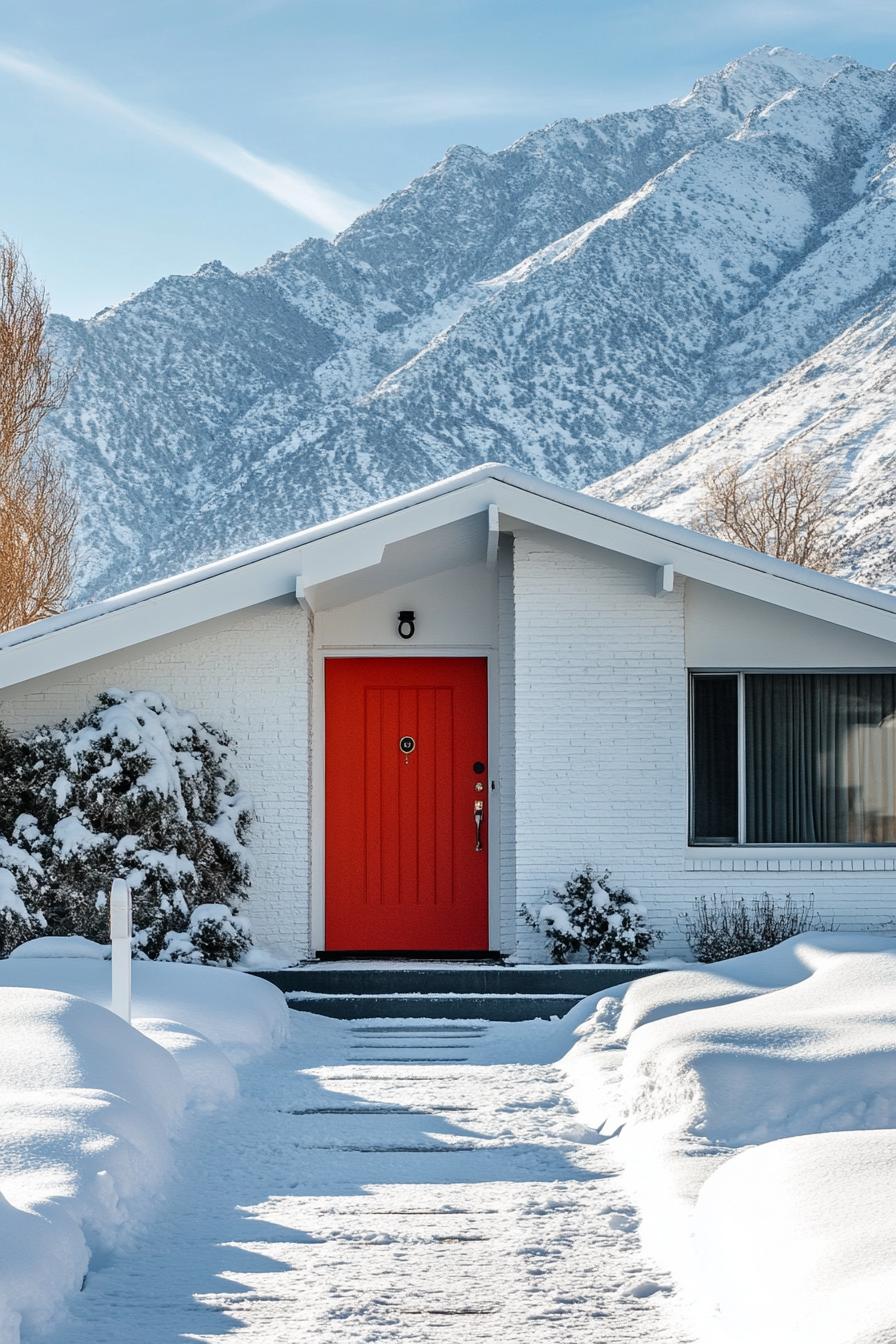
476, 958
459, 989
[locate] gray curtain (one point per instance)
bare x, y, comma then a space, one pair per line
821, 758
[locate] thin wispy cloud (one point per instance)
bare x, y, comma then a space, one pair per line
298, 191
394, 105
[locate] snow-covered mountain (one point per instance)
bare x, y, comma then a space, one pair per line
839, 405
597, 291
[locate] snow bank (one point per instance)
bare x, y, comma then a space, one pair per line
31, 1240
798, 1240
738, 977
241, 1014
807, 1058
71, 946
79, 1159
208, 1074
88, 1104
695, 1066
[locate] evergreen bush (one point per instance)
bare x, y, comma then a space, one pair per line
593, 916
134, 788
215, 936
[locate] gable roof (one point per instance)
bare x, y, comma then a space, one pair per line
300, 562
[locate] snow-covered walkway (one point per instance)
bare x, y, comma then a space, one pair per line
388, 1181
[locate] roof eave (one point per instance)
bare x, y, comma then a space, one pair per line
356, 540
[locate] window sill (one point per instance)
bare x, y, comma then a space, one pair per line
790, 859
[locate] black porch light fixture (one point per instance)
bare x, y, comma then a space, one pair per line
406, 624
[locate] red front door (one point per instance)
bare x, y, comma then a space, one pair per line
406, 780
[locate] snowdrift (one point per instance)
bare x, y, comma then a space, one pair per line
809, 1057
793, 1050
239, 1013
798, 1240
88, 1106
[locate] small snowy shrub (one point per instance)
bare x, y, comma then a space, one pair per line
593, 916
214, 935
135, 788
718, 927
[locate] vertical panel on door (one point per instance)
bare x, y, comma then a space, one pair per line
402, 869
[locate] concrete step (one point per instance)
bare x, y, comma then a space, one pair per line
446, 978
490, 1008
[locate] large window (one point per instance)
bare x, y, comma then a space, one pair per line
795, 758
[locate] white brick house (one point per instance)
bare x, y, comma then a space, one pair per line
697, 717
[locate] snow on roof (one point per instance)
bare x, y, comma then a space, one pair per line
293, 541
271, 570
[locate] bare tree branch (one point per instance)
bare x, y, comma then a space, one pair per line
783, 508
38, 506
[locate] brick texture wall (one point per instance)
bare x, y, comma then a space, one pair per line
601, 751
506, 763
250, 674
593, 686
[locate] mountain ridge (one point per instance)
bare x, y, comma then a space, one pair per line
573, 303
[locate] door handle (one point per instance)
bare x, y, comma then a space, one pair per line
478, 809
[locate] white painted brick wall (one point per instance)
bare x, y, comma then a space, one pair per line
250, 674
506, 764
601, 751
593, 677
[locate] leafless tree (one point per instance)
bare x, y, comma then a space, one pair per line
784, 508
38, 506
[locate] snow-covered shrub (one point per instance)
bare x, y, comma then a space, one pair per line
17, 926
20, 875
214, 935
135, 788
10, 756
719, 927
19, 870
593, 916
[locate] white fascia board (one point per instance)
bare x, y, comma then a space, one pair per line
162, 614
362, 546
693, 556
357, 541
206, 596
250, 558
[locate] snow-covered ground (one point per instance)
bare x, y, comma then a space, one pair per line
239, 1013
382, 1181
91, 1109
727, 1129
756, 1104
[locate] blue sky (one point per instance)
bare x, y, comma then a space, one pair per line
154, 135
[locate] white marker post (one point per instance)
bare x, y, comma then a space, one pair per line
120, 929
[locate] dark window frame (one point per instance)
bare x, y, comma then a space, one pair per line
742, 842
